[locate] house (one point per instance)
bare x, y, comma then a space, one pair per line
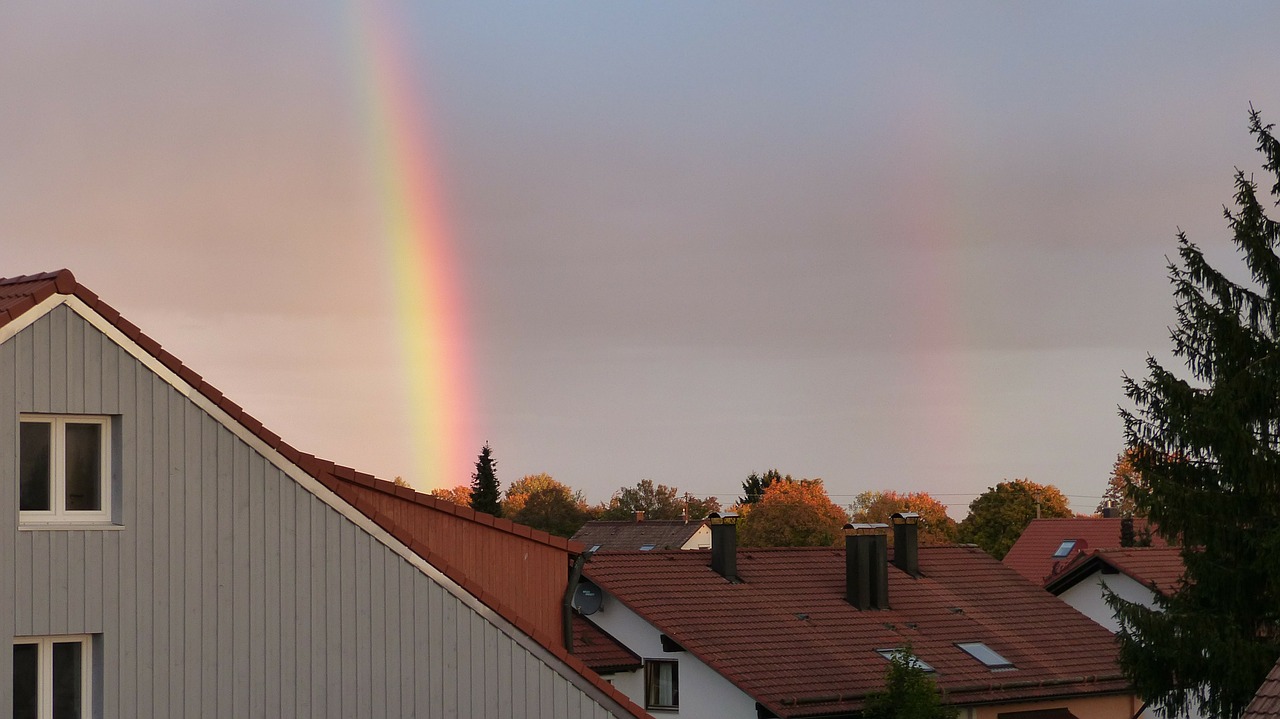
1266, 703
168, 555
644, 534
1048, 545
806, 632
1137, 574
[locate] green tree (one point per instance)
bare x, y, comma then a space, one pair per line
754, 485
485, 495
909, 693
792, 514
1208, 451
657, 502
999, 515
935, 527
553, 509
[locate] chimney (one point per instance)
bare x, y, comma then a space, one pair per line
906, 542
1109, 511
724, 544
639, 515
866, 566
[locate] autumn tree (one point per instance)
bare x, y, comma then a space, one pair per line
1123, 475
999, 515
460, 494
485, 494
796, 513
754, 485
935, 526
1207, 448
909, 692
657, 502
546, 504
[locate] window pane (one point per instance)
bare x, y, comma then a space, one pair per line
84, 467
663, 689
66, 680
34, 493
25, 686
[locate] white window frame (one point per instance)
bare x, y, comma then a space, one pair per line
58, 513
44, 672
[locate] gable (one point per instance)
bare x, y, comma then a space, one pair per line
235, 583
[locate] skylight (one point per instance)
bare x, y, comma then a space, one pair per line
1064, 549
916, 662
986, 655
647, 547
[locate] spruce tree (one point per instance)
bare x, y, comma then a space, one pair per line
1208, 451
485, 496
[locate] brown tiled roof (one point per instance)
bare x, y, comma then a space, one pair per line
786, 636
629, 534
1266, 703
1032, 555
20, 294
1159, 568
599, 650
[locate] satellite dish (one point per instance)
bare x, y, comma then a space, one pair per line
587, 598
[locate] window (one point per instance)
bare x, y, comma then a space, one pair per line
64, 469
916, 662
647, 547
1064, 549
51, 677
986, 655
661, 684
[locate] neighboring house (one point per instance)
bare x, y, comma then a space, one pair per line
1048, 545
1266, 703
644, 534
1136, 574
167, 555
805, 632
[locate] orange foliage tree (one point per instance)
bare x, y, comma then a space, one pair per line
795, 513
460, 494
935, 526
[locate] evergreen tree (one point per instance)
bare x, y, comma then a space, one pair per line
754, 485
1208, 452
909, 693
485, 496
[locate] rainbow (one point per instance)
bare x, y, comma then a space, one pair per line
421, 265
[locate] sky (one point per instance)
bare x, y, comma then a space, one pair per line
894, 245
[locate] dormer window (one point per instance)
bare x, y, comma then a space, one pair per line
64, 469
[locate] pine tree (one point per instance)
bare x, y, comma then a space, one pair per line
754, 485
485, 496
1208, 452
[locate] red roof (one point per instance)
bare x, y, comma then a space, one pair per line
1266, 703
630, 534
786, 636
1032, 555
599, 650
21, 294
1159, 568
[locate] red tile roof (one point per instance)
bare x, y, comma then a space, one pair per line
630, 534
1266, 703
599, 650
1032, 555
1159, 568
20, 294
787, 637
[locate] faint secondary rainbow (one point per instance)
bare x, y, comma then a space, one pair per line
421, 265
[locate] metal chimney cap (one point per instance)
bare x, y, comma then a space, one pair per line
722, 518
857, 529
906, 517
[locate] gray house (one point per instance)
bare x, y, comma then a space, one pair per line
164, 555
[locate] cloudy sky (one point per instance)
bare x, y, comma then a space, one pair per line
892, 245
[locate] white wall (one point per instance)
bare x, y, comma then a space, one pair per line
701, 539
704, 694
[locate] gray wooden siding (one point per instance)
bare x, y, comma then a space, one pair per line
231, 590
